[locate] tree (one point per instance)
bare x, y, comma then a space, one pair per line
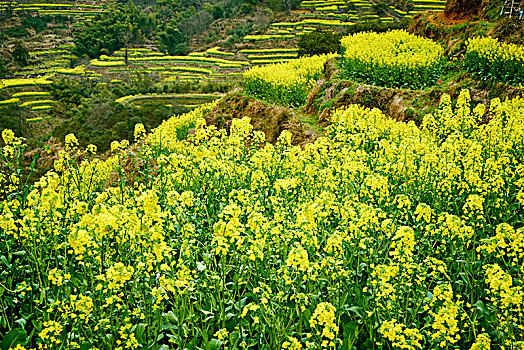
381, 9
3, 71
126, 36
288, 5
196, 24
169, 40
112, 31
20, 53
318, 42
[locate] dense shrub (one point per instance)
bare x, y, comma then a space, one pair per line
3, 70
319, 41
15, 32
377, 26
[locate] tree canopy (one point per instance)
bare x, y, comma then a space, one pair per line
106, 33
318, 42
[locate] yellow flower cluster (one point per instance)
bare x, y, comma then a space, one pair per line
292, 344
378, 234
400, 336
51, 332
287, 83
10, 155
168, 134
483, 342
324, 318
445, 324
490, 58
393, 59
118, 274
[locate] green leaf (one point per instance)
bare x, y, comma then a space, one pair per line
357, 310
350, 335
215, 344
171, 317
22, 322
140, 332
306, 316
13, 338
481, 307
4, 260
464, 278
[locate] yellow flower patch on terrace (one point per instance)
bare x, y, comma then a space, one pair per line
287, 83
216, 51
42, 108
37, 103
11, 83
393, 59
313, 22
263, 37
97, 63
31, 93
273, 56
192, 69
211, 60
497, 60
78, 70
11, 101
268, 51
269, 61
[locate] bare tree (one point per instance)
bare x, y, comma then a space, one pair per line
360, 13
126, 38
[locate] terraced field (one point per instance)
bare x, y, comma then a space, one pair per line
338, 15
187, 102
421, 6
30, 94
52, 59
79, 11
